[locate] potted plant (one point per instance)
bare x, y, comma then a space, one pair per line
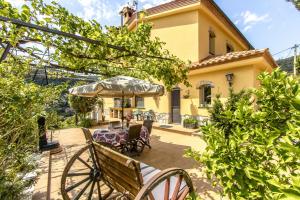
190, 123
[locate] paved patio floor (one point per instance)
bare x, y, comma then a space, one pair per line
167, 151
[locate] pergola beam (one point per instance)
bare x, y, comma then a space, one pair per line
77, 37
56, 66
5, 52
61, 33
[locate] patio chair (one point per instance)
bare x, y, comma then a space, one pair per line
132, 140
111, 175
88, 135
148, 124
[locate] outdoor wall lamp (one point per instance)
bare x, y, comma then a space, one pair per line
229, 78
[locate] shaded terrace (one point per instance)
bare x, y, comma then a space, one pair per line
167, 151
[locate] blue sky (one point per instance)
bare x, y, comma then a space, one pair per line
273, 24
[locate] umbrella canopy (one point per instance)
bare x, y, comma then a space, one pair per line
119, 86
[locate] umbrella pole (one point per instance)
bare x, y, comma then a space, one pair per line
122, 109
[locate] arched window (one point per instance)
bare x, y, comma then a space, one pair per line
205, 97
212, 42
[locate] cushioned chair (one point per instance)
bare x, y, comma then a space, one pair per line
148, 124
134, 132
131, 144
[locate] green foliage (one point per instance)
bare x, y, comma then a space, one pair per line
20, 105
287, 64
85, 122
190, 120
194, 196
82, 105
69, 122
296, 3
253, 146
141, 55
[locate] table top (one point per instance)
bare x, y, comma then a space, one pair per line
117, 136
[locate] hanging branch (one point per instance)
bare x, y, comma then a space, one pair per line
82, 45
56, 66
61, 33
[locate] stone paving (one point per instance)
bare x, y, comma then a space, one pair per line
167, 151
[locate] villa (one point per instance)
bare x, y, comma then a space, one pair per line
221, 57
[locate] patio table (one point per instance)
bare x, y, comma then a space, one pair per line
117, 136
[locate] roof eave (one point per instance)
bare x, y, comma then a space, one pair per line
264, 54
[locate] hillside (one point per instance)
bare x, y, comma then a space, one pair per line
286, 64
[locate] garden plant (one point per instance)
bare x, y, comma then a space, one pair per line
253, 141
115, 51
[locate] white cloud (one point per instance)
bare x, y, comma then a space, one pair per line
237, 22
250, 19
246, 28
147, 5
97, 10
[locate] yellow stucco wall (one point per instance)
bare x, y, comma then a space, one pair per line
243, 78
179, 32
206, 23
186, 35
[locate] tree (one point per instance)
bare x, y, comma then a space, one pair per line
296, 3
253, 147
21, 103
118, 50
113, 51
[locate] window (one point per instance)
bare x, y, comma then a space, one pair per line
205, 95
118, 102
139, 102
229, 48
212, 38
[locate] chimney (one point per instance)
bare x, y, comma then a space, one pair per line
126, 13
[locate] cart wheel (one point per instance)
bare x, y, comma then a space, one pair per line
82, 177
179, 191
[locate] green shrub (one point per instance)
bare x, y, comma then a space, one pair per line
190, 120
69, 122
86, 122
82, 105
253, 145
21, 103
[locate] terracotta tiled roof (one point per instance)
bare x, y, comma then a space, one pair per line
233, 56
209, 3
165, 7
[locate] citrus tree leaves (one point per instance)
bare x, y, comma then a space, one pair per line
253, 148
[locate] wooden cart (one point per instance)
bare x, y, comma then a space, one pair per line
98, 172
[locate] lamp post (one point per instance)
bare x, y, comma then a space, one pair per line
229, 78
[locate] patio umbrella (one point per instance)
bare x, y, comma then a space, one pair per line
119, 86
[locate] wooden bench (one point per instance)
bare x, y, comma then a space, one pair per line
98, 172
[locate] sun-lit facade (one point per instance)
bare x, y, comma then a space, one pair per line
221, 57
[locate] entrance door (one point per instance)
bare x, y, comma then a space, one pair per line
175, 105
